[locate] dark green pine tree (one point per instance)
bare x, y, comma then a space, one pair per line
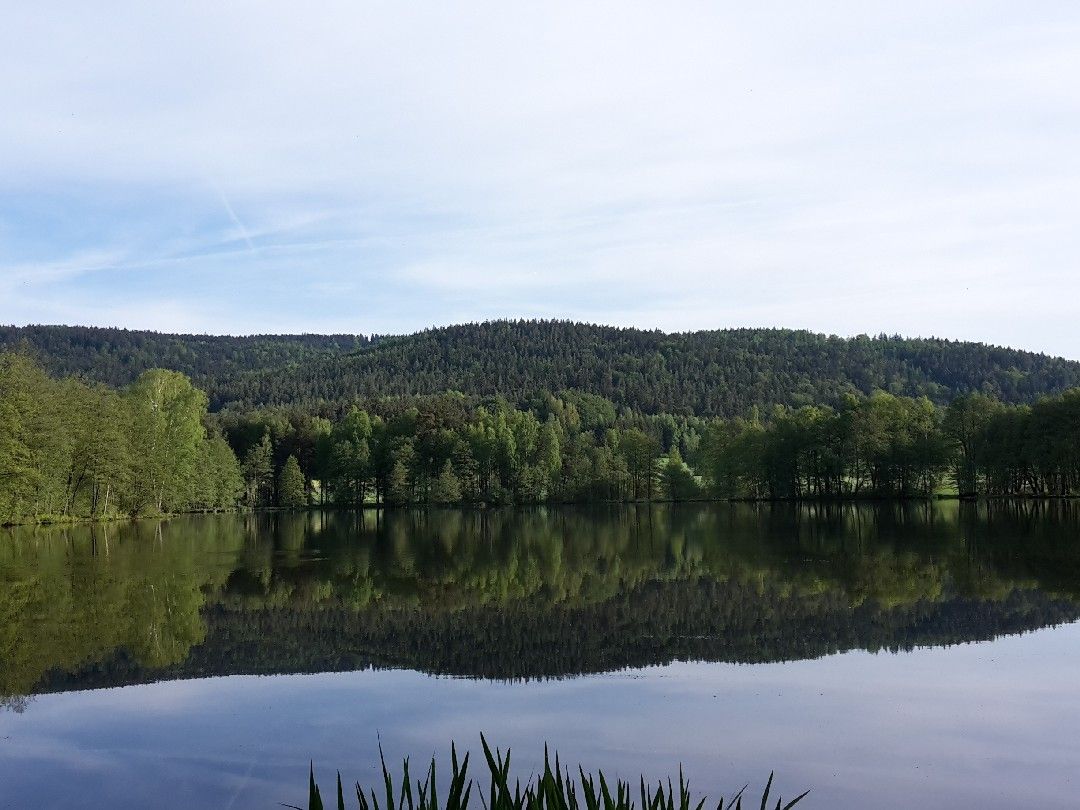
397, 489
259, 470
292, 487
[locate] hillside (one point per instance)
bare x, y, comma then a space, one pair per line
723, 372
118, 356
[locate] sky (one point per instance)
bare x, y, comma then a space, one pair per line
243, 167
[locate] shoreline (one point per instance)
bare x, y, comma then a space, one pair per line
54, 521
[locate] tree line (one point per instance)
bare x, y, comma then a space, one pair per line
888, 446
73, 449
577, 447
567, 448
69, 448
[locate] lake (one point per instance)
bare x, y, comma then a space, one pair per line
906, 655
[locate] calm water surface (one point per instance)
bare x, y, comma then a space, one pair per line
916, 655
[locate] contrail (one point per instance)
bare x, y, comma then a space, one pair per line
234, 218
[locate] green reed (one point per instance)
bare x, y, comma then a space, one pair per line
554, 789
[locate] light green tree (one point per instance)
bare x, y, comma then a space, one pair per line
677, 480
447, 488
221, 482
19, 476
167, 435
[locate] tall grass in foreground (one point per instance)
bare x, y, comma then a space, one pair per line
555, 789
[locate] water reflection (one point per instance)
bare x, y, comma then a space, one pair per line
522, 594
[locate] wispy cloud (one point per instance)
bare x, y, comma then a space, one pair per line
861, 167
39, 273
236, 220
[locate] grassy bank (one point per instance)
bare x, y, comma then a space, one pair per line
554, 789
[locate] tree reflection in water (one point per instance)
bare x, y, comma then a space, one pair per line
523, 593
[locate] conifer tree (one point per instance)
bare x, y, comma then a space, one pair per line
258, 470
397, 488
292, 488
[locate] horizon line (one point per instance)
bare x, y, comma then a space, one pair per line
371, 336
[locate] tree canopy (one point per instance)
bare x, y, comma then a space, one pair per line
709, 373
73, 449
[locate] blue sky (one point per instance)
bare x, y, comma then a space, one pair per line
383, 167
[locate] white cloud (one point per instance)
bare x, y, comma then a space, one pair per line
865, 167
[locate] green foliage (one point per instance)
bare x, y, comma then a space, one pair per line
678, 481
292, 487
117, 357
447, 488
70, 450
166, 434
641, 452
221, 482
708, 374
965, 424
346, 457
1020, 450
21, 387
449, 449
882, 446
553, 789
259, 471
398, 491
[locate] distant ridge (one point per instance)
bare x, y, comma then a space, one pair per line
708, 373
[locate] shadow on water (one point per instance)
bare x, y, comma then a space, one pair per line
522, 594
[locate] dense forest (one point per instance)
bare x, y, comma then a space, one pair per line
70, 448
721, 373
73, 449
575, 447
117, 357
888, 446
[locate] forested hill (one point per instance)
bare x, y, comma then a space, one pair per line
709, 373
118, 356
